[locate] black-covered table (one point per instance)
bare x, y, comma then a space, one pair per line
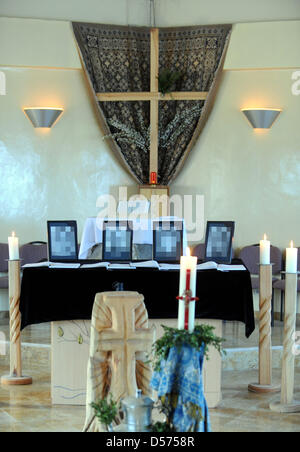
68, 294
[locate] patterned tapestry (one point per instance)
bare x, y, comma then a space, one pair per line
117, 59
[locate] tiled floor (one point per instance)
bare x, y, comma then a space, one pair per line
34, 334
29, 408
234, 335
242, 411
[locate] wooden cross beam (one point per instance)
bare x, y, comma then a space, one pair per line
153, 96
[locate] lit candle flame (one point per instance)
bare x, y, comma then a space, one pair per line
265, 237
188, 251
292, 244
13, 234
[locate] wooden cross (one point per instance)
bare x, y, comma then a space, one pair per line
154, 96
124, 341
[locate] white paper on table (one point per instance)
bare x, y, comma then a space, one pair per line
146, 264
207, 266
63, 265
118, 266
228, 268
169, 266
96, 265
37, 264
221, 267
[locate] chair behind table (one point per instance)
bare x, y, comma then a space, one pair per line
3, 265
3, 257
250, 255
33, 252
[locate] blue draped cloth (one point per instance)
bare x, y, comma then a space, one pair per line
179, 383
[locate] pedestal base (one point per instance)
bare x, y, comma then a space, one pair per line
123, 428
70, 361
279, 407
263, 389
10, 380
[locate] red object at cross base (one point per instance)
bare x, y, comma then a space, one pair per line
153, 178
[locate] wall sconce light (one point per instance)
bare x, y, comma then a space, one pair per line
261, 118
44, 117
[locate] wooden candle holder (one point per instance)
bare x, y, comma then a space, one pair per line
15, 377
287, 403
265, 343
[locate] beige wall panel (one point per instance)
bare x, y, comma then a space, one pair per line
194, 12
26, 42
264, 45
123, 12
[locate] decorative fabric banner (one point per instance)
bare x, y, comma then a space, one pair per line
179, 385
117, 59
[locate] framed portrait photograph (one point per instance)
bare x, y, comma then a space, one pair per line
117, 241
218, 241
62, 241
167, 241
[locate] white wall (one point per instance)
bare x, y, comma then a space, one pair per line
247, 176
37, 43
168, 12
121, 12
56, 174
264, 45
194, 12
251, 178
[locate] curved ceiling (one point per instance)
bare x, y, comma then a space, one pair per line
168, 12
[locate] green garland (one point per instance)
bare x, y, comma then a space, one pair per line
161, 427
167, 80
202, 335
106, 410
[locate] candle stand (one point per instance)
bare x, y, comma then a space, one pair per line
265, 344
287, 404
15, 377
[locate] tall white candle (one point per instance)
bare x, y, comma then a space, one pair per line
291, 259
13, 247
187, 262
265, 251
